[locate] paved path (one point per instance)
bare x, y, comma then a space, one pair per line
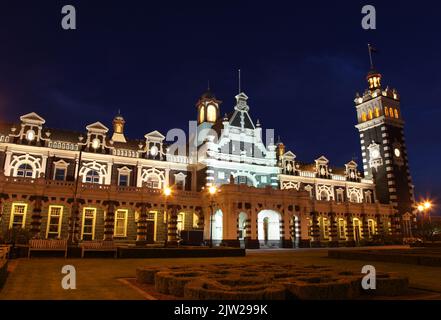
40, 278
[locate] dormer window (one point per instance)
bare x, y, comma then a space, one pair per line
124, 176
180, 181
96, 143
60, 174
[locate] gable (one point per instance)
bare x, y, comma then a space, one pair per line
97, 127
32, 118
236, 120
154, 135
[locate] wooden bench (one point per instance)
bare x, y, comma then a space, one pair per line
47, 245
5, 250
101, 246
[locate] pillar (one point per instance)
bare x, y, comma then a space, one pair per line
74, 223
36, 217
315, 234
141, 226
365, 227
350, 230
172, 232
109, 222
333, 229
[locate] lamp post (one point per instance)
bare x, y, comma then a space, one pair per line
423, 208
167, 192
212, 191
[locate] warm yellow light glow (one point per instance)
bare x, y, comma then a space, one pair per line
167, 191
211, 113
427, 205
212, 190
420, 208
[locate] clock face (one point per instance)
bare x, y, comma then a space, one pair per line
375, 154
30, 135
397, 152
95, 143
154, 150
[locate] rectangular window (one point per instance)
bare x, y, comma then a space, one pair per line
342, 229
121, 223
60, 174
123, 180
88, 230
18, 215
180, 222
54, 222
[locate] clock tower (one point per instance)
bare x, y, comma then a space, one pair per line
383, 147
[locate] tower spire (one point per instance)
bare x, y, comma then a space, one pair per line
371, 50
240, 90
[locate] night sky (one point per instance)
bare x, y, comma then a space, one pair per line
301, 62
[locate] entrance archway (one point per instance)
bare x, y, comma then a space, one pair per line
268, 230
242, 226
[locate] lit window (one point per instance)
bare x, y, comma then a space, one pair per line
211, 113
121, 223
363, 116
371, 227
18, 215
396, 113
25, 170
88, 231
60, 174
201, 114
195, 221
370, 115
377, 112
386, 111
325, 228
54, 222
342, 229
180, 222
93, 177
391, 112
123, 180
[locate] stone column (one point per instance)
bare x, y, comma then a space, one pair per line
109, 222
315, 234
333, 229
365, 226
36, 217
350, 229
172, 239
379, 228
74, 223
141, 227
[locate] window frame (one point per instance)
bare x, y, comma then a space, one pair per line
11, 220
126, 214
93, 223
60, 221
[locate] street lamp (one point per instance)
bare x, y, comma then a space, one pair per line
212, 191
424, 207
167, 192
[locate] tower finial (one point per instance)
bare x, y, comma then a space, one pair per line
371, 50
239, 82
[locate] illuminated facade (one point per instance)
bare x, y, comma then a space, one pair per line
101, 185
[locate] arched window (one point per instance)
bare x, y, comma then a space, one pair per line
93, 176
25, 170
391, 112
201, 114
377, 112
370, 114
153, 182
386, 111
324, 196
363, 116
211, 113
396, 113
354, 197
